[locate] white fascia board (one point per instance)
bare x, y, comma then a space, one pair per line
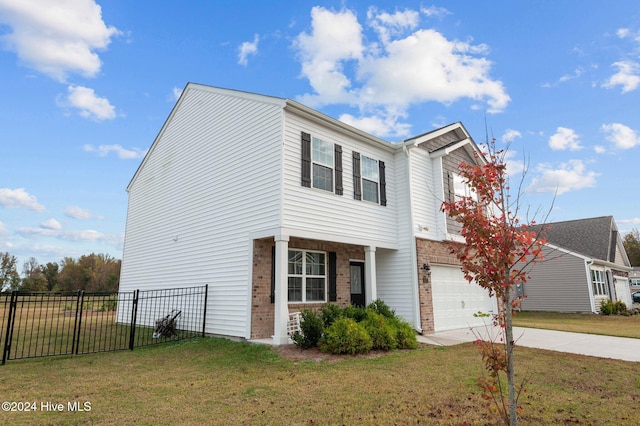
317, 116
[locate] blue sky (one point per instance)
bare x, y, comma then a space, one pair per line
85, 87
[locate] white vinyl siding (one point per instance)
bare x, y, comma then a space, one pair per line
211, 179
320, 214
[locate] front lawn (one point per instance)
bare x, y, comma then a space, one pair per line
609, 325
216, 381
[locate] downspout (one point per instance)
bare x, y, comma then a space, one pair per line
414, 254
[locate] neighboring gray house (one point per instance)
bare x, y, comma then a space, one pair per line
585, 263
279, 208
634, 279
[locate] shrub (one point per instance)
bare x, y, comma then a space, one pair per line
380, 307
346, 336
311, 330
330, 313
383, 334
355, 313
405, 335
609, 307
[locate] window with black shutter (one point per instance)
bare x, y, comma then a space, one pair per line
357, 191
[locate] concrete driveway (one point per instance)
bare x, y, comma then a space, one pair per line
576, 343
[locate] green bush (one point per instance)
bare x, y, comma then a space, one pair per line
609, 307
355, 313
330, 313
405, 335
383, 334
346, 336
311, 330
380, 307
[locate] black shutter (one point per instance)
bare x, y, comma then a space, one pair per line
451, 194
333, 277
338, 166
273, 274
357, 191
306, 159
383, 184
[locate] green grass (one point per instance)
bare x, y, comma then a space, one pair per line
216, 381
609, 325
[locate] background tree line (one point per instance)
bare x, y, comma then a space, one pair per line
631, 244
92, 273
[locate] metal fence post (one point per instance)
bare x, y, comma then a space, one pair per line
9, 332
204, 313
134, 313
78, 324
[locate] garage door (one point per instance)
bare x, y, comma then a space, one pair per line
455, 300
622, 290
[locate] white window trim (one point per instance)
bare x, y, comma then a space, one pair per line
462, 189
599, 285
331, 166
304, 276
362, 179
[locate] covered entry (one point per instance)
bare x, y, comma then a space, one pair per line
455, 300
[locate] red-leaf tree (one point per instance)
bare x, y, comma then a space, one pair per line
498, 249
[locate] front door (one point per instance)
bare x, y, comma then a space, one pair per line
357, 283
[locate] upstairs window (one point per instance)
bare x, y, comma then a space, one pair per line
369, 179
462, 189
369, 182
321, 164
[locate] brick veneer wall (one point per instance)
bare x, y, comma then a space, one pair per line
430, 252
262, 310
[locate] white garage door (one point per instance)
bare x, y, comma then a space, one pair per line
455, 300
622, 290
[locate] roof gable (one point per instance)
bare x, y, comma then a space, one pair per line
597, 238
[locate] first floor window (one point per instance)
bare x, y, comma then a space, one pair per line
307, 276
635, 282
597, 279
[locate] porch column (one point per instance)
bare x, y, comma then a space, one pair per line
371, 292
281, 314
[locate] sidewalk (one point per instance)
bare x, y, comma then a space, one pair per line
622, 348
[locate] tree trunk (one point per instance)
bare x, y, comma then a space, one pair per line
509, 342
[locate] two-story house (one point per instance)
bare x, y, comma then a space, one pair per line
278, 207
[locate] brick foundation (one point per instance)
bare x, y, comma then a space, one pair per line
430, 252
262, 310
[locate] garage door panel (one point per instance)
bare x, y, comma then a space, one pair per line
455, 300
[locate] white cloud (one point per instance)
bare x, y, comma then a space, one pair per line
51, 224
56, 37
510, 135
577, 73
439, 69
564, 139
76, 212
377, 125
123, 153
3, 230
599, 149
67, 235
628, 76
621, 136
569, 176
438, 12
634, 221
248, 48
89, 105
176, 92
19, 198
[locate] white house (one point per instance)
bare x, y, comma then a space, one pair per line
279, 207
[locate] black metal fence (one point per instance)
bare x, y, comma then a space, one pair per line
71, 323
